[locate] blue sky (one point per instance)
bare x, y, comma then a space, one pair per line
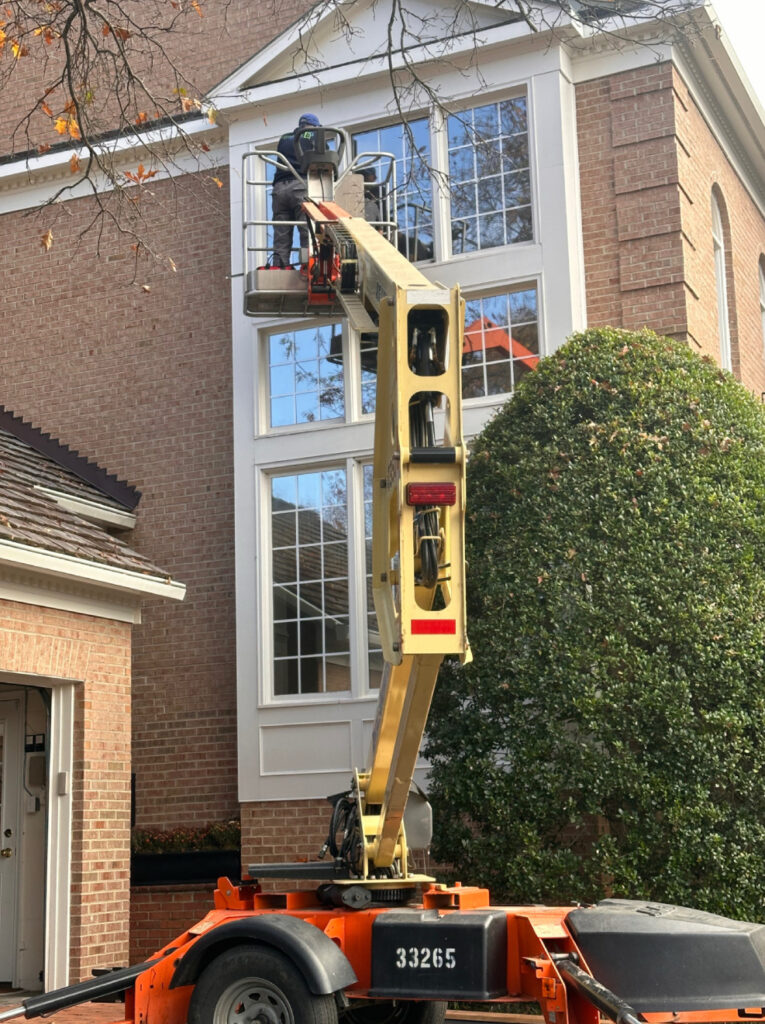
744, 24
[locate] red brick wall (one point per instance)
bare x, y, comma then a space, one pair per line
283, 830
205, 50
140, 381
648, 164
160, 913
95, 651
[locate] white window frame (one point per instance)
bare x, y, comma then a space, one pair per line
721, 283
446, 250
761, 269
359, 657
488, 293
439, 158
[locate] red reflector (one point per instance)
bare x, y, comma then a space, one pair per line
421, 627
431, 494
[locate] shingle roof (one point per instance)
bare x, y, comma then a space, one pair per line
29, 516
65, 469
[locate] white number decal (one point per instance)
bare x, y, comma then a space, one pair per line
425, 957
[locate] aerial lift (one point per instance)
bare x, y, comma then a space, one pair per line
374, 942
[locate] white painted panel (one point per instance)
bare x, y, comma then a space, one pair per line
308, 748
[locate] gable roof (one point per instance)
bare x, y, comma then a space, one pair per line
324, 39
34, 522
62, 468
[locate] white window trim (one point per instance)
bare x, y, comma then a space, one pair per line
358, 656
761, 268
721, 283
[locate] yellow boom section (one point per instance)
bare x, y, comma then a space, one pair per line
418, 516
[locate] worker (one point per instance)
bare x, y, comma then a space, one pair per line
289, 192
372, 196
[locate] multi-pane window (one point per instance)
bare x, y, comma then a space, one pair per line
311, 622
410, 146
489, 177
501, 342
305, 375
762, 299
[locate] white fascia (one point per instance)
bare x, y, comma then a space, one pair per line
32, 180
81, 570
231, 95
92, 510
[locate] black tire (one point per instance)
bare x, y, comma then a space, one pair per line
249, 983
402, 1011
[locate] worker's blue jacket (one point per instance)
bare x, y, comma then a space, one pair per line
287, 148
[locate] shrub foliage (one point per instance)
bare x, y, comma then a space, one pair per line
609, 738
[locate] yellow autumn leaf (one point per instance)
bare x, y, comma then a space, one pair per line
74, 163
47, 240
60, 124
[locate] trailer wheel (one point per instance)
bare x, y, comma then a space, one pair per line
248, 984
402, 1011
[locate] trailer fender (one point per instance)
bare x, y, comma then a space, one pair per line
324, 966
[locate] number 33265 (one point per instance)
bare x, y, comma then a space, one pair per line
425, 957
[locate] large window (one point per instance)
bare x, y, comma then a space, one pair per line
305, 375
313, 593
489, 176
501, 342
762, 299
482, 158
309, 536
410, 146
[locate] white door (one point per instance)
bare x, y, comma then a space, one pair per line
10, 786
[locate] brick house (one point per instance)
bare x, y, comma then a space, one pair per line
71, 592
588, 185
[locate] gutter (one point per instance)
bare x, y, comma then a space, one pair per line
81, 570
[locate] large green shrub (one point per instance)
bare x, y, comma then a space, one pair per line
609, 737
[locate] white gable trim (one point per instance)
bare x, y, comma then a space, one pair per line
252, 78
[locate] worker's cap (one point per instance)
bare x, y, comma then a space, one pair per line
306, 119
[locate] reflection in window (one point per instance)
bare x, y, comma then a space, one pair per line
305, 375
373, 635
721, 281
501, 342
368, 346
410, 145
309, 536
489, 176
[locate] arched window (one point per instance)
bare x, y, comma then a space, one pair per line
762, 300
723, 319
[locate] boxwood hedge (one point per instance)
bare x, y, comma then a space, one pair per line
609, 737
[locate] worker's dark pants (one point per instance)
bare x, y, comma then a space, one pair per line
287, 199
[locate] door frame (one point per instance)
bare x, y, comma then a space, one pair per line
57, 904
58, 853
10, 705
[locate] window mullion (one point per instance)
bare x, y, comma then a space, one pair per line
352, 364
356, 579
439, 157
